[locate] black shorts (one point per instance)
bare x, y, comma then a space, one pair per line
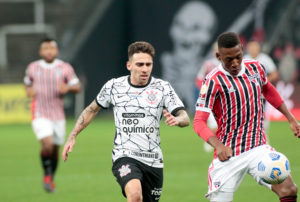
126, 169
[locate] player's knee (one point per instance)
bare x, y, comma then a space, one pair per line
135, 196
47, 148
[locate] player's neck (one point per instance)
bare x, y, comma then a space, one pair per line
137, 84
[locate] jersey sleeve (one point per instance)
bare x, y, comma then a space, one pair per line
207, 95
103, 98
171, 100
70, 75
28, 78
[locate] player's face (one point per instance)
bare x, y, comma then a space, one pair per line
231, 59
140, 67
48, 51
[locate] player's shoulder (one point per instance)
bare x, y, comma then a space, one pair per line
34, 63
158, 82
213, 74
252, 64
118, 82
63, 64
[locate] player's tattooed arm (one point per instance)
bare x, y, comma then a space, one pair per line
83, 121
87, 115
180, 119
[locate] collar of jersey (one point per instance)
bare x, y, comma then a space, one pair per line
136, 86
46, 65
221, 68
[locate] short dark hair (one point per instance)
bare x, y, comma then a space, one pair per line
228, 40
47, 39
140, 47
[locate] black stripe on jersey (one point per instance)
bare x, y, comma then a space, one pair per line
228, 103
238, 111
210, 88
261, 122
263, 67
248, 111
256, 111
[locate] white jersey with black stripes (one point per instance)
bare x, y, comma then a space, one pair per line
137, 113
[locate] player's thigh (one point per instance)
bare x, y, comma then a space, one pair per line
126, 169
255, 157
152, 183
59, 128
42, 128
133, 189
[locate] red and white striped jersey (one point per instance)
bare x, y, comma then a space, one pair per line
236, 102
45, 78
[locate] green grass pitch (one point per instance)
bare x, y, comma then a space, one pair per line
86, 176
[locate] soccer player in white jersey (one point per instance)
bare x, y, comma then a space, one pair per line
233, 91
46, 81
139, 101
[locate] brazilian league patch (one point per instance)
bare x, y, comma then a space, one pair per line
203, 89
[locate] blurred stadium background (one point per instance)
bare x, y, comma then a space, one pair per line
93, 36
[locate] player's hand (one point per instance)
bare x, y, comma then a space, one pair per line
295, 126
224, 153
63, 88
170, 119
68, 147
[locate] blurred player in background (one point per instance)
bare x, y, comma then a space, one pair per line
254, 53
207, 66
47, 81
233, 91
139, 101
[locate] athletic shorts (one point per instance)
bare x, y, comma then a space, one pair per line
43, 127
225, 177
151, 178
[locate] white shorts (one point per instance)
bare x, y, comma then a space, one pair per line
225, 177
43, 127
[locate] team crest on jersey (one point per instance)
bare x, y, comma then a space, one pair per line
151, 97
203, 89
124, 170
253, 78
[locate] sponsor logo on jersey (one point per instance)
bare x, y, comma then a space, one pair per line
151, 98
231, 89
150, 155
119, 85
132, 126
124, 170
133, 115
134, 94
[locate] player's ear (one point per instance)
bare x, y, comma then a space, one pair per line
128, 65
218, 56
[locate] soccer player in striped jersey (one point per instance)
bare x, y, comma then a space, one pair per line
139, 102
233, 92
47, 80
